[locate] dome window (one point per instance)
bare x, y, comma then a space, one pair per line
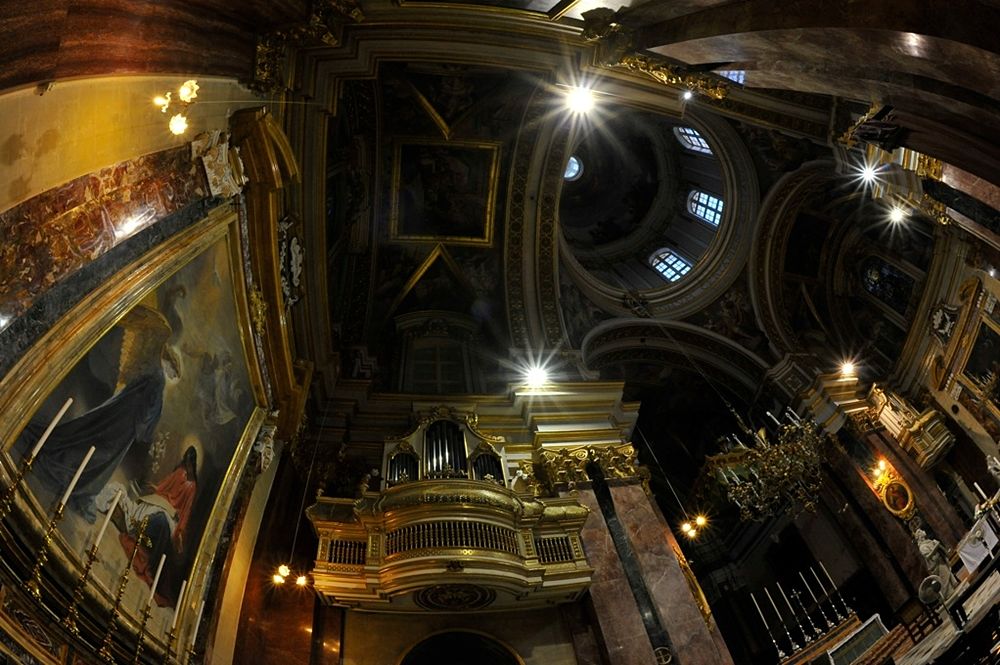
705, 206
692, 140
737, 76
670, 265
574, 169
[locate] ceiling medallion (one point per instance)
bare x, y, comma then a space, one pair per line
454, 597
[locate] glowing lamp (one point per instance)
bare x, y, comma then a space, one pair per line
701, 520
284, 570
278, 579
178, 124
300, 580
580, 100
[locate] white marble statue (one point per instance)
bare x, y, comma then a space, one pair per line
937, 561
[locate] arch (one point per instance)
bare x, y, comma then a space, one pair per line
458, 647
774, 221
677, 344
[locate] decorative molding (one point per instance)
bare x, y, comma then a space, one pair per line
616, 49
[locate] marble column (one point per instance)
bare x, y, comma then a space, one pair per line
696, 641
619, 622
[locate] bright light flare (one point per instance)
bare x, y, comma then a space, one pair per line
580, 99
847, 368
284, 570
178, 124
897, 215
188, 91
278, 579
300, 580
701, 520
686, 95
536, 377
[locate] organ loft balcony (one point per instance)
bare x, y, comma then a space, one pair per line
453, 529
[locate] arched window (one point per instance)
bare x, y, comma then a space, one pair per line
670, 265
734, 75
692, 140
705, 206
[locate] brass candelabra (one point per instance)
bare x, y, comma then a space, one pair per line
141, 539
11, 490
69, 622
34, 582
142, 633
170, 643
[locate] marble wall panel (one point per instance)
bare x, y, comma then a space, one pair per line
51, 236
620, 624
693, 641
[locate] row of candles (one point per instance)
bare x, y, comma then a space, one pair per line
816, 631
33, 584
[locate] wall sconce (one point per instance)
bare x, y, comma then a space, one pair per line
186, 95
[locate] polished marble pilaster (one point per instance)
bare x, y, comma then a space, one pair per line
693, 640
617, 614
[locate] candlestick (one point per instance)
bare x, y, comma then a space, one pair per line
794, 615
781, 654
105, 651
76, 476
798, 599
142, 634
180, 602
835, 589
48, 430
69, 621
771, 416
829, 624
980, 490
34, 582
829, 597
197, 624
170, 643
107, 518
791, 640
156, 579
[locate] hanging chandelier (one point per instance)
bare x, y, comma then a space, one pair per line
776, 472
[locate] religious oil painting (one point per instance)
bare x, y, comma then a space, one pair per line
164, 398
444, 191
983, 364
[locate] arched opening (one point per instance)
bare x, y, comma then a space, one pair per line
460, 648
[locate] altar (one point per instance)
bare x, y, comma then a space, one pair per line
980, 543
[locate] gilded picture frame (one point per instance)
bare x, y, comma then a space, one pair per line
443, 191
211, 247
897, 497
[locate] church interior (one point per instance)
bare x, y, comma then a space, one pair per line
510, 332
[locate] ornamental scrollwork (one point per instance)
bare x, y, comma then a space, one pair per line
616, 49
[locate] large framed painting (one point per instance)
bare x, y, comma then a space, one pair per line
983, 363
165, 386
444, 191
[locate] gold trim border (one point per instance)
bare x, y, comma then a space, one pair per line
40, 370
491, 194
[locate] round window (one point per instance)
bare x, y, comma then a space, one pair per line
574, 169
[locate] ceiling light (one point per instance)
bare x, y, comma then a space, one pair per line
278, 579
686, 527
847, 368
701, 520
536, 377
284, 570
692, 533
580, 100
897, 215
300, 580
687, 95
178, 124
868, 173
